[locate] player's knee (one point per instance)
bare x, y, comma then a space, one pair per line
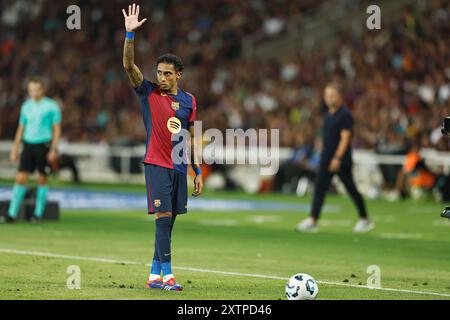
41, 179
21, 178
163, 214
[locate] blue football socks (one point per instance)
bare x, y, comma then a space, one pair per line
162, 238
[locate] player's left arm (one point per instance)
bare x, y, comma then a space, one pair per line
56, 136
198, 181
195, 150
344, 143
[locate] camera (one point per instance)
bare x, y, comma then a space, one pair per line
446, 126
445, 131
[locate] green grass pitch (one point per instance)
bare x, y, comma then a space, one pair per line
410, 245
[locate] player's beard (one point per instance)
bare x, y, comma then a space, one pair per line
164, 88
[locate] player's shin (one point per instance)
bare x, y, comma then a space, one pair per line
41, 198
163, 241
155, 270
18, 193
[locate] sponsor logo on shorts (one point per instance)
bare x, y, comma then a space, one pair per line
157, 203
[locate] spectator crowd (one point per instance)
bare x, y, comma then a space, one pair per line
397, 80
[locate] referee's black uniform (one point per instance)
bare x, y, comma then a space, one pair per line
333, 124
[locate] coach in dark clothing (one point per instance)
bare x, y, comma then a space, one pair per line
336, 159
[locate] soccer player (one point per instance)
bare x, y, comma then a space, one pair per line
166, 110
336, 158
39, 130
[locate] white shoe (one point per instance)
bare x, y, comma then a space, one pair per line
363, 226
307, 225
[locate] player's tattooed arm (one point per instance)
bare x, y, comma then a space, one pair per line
131, 24
133, 72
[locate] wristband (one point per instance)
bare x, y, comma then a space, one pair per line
129, 35
197, 171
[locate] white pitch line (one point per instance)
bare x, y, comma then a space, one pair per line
401, 236
251, 275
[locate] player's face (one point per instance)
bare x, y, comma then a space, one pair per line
167, 76
332, 97
35, 90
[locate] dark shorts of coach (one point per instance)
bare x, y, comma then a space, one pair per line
34, 157
166, 190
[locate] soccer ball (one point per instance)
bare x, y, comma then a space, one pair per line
301, 286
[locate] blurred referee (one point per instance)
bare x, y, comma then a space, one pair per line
336, 158
40, 130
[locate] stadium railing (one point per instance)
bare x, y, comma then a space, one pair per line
105, 163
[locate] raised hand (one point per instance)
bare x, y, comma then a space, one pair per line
132, 19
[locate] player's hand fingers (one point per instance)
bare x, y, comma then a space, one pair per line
195, 193
142, 22
13, 157
137, 11
124, 13
129, 10
134, 8
198, 187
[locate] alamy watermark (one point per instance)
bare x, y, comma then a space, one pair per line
374, 280
373, 22
73, 22
249, 147
74, 279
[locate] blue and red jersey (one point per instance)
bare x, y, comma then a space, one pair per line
165, 115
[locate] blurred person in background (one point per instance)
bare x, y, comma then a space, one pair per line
336, 158
39, 130
415, 176
302, 168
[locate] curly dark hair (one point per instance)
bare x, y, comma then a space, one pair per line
173, 60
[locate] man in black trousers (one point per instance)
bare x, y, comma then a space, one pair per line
336, 158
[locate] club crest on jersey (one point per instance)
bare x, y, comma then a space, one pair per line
157, 203
175, 105
174, 125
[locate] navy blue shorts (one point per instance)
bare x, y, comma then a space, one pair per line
166, 190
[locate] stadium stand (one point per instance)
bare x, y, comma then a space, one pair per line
397, 79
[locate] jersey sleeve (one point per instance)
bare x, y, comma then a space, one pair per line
347, 122
145, 88
22, 118
193, 115
56, 115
